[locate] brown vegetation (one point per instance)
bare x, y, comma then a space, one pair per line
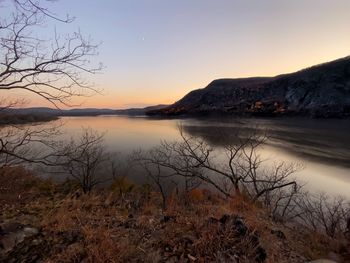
174, 217
126, 224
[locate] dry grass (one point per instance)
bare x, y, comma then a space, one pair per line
15, 186
129, 226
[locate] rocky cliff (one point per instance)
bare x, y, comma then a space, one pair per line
319, 91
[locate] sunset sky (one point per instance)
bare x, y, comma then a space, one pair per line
155, 51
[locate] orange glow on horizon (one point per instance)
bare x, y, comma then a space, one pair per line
155, 52
136, 95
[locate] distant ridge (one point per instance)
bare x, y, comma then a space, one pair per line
318, 91
82, 111
140, 111
61, 112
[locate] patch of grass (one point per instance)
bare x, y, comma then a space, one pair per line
127, 224
122, 185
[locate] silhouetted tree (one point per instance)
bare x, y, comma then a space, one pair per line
52, 68
83, 159
323, 213
239, 169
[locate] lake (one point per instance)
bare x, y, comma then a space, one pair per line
322, 146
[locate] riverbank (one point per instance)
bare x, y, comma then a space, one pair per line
42, 220
17, 119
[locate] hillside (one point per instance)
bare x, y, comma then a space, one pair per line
43, 221
139, 111
44, 111
61, 112
319, 91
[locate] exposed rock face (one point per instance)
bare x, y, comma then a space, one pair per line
321, 91
20, 243
13, 234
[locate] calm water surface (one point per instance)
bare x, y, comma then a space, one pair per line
322, 146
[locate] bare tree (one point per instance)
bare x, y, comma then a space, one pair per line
7, 104
154, 173
282, 203
37, 6
262, 182
83, 159
163, 178
27, 143
323, 213
238, 169
52, 68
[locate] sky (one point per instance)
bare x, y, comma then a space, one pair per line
155, 51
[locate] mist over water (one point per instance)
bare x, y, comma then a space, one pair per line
321, 146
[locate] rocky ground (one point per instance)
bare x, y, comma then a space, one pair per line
41, 221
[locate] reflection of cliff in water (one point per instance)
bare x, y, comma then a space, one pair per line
324, 141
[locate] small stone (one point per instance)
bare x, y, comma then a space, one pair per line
36, 242
191, 257
30, 231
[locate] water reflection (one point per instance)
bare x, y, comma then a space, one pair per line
323, 146
324, 141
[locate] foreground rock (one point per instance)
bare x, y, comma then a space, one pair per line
12, 234
20, 243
